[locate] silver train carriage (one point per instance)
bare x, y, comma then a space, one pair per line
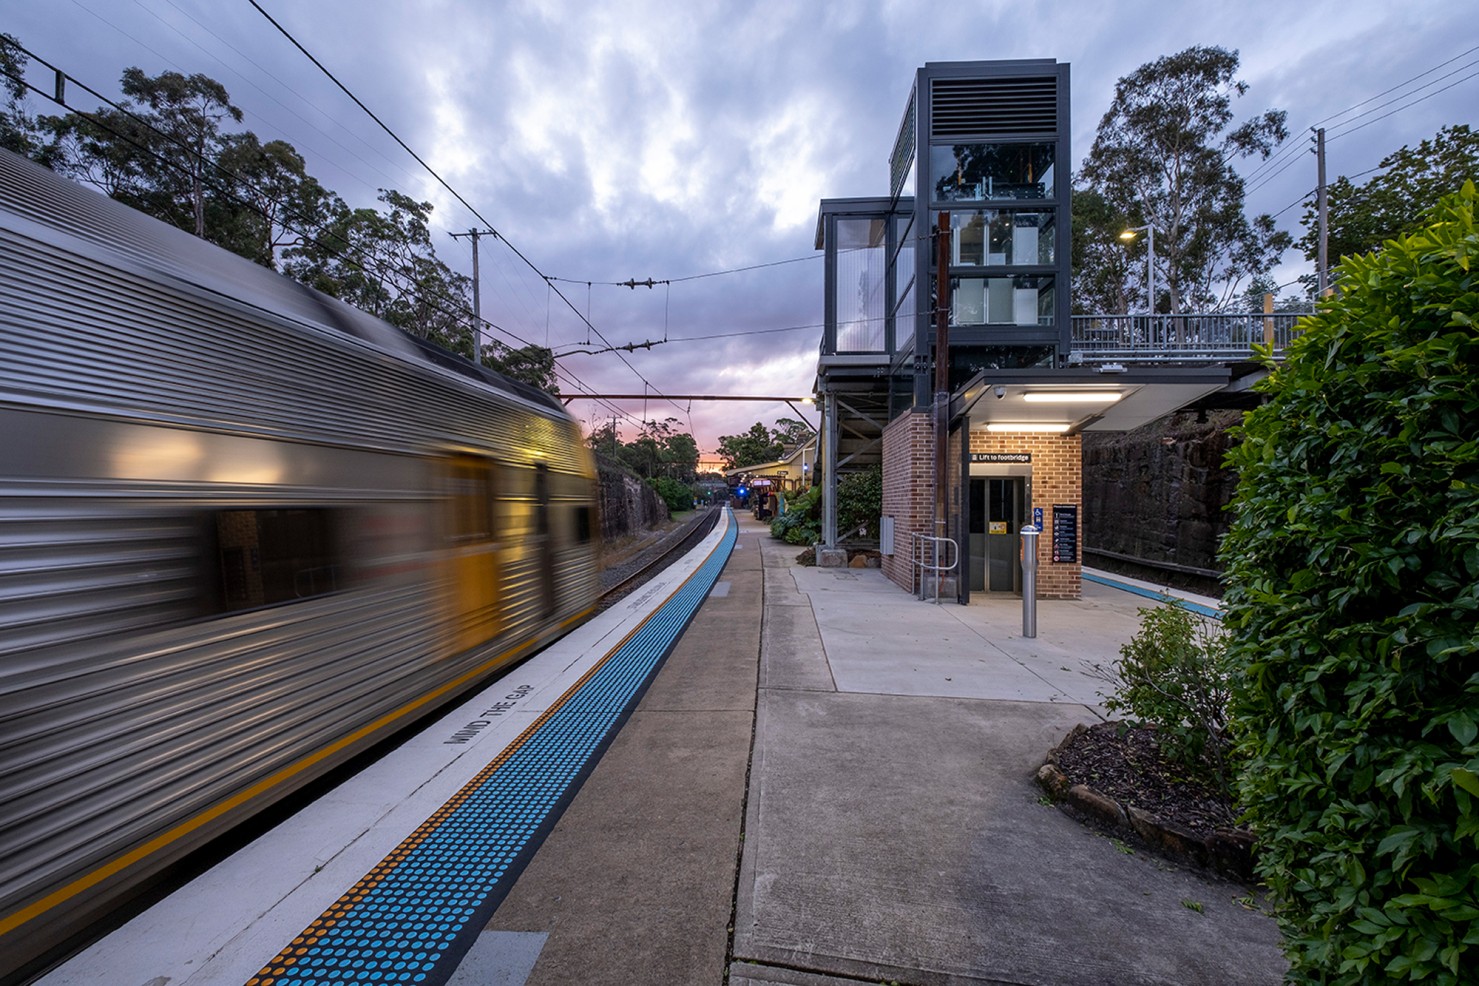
246, 531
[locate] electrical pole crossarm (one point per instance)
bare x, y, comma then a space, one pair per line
477, 301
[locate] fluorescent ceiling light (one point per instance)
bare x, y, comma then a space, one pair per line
1072, 396
1025, 426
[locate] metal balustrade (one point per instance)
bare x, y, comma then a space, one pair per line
1188, 338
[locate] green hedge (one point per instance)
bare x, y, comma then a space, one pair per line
1352, 607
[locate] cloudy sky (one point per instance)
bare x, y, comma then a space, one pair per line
690, 142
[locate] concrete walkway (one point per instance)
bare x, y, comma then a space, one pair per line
866, 761
894, 831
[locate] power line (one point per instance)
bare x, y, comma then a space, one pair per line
455, 194
361, 263
1256, 178
1400, 85
389, 180
1345, 133
290, 110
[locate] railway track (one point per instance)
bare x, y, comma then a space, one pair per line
657, 558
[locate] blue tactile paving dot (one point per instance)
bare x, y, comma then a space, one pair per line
397, 923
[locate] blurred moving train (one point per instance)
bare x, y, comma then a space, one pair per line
246, 531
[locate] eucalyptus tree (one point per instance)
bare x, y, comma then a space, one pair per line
19, 131
181, 139
751, 448
1164, 156
273, 204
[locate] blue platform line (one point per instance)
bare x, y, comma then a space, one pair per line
1158, 596
412, 918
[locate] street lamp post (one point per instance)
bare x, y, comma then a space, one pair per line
1149, 232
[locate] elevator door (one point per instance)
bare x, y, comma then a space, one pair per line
1004, 510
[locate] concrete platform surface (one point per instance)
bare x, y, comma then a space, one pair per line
889, 829
894, 832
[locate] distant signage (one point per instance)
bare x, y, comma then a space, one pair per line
1001, 456
1065, 532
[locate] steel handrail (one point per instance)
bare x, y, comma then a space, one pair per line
919, 544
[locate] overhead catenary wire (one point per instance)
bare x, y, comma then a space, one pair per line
443, 182
403, 280
249, 81
369, 267
358, 262
390, 181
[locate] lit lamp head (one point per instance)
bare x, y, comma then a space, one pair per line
1127, 235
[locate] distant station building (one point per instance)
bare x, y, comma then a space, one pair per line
947, 349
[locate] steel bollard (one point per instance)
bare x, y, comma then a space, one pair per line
1029, 580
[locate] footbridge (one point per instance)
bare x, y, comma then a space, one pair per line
867, 389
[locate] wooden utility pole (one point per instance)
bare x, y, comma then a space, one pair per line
1324, 254
477, 302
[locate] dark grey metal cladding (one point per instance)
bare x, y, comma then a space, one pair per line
1019, 100
977, 108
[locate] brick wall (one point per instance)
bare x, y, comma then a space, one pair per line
1057, 477
908, 487
908, 493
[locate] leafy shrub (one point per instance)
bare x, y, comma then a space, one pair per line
802, 521
1353, 570
1173, 674
860, 502
677, 496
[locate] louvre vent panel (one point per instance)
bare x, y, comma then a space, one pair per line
971, 108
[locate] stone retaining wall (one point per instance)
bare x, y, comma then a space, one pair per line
1158, 492
628, 505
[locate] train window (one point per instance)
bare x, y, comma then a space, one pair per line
583, 524
541, 499
471, 481
274, 556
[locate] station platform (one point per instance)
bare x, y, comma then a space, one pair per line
827, 781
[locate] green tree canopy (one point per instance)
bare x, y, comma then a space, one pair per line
273, 203
755, 446
791, 433
19, 131
660, 450
383, 262
1164, 156
534, 365
1102, 273
1363, 217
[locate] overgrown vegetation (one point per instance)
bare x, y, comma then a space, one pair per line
1173, 675
1353, 602
859, 505
676, 495
802, 521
